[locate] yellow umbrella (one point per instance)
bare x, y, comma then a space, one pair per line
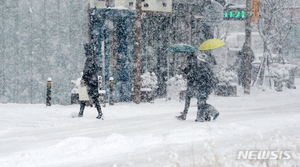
211, 44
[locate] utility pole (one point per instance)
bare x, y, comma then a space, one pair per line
247, 60
137, 52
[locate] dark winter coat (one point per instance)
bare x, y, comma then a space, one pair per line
200, 78
91, 67
240, 63
241, 59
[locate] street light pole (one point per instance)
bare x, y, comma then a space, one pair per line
247, 60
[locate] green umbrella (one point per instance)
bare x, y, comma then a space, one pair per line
182, 48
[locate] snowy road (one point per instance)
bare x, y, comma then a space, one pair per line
149, 135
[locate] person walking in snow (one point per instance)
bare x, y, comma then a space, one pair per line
90, 77
200, 84
240, 64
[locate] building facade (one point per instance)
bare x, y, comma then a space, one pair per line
181, 23
42, 39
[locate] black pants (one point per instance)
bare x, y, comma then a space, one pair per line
201, 100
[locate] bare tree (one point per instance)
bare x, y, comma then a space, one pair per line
273, 26
222, 31
283, 28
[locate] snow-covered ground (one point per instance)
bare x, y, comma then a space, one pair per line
148, 134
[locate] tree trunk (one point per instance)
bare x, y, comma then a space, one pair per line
137, 52
247, 79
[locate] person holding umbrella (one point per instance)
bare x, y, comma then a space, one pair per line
240, 64
90, 77
200, 84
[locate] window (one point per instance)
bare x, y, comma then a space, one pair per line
164, 4
146, 5
130, 3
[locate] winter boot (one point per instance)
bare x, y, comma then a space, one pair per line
200, 116
182, 116
216, 116
99, 115
80, 114
98, 107
201, 119
82, 106
99, 112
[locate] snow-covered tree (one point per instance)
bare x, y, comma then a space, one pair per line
149, 80
222, 31
273, 26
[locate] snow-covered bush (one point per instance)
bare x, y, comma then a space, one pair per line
149, 80
226, 77
280, 72
175, 85
177, 82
